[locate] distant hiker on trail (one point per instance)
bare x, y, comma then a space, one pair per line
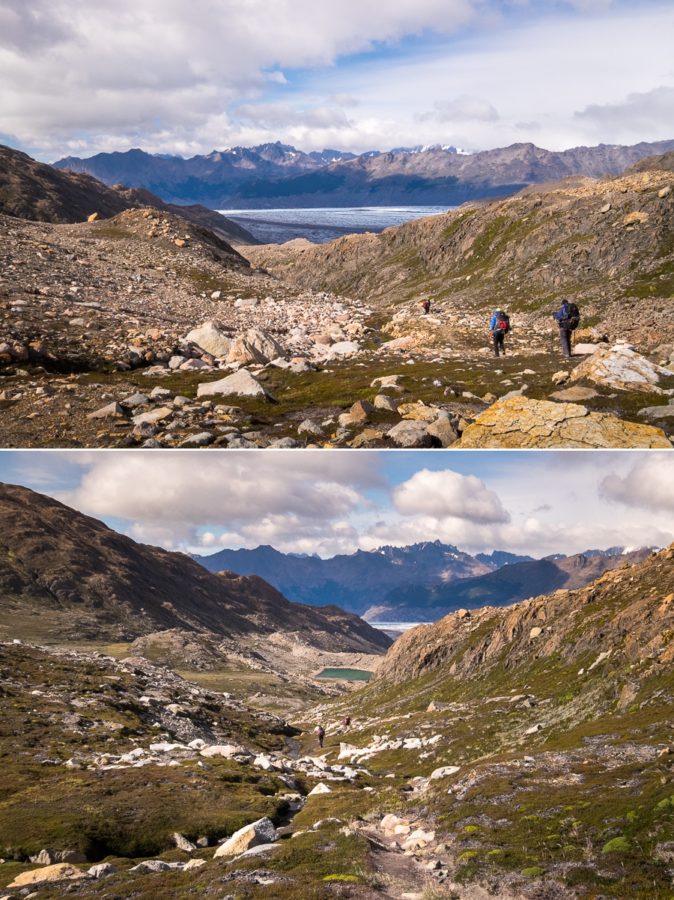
567, 317
500, 326
346, 721
319, 731
426, 306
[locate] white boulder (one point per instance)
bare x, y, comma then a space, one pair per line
257, 833
255, 346
211, 339
240, 384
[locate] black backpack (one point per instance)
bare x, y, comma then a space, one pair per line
573, 320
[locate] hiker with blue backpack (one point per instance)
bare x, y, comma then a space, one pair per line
500, 326
568, 318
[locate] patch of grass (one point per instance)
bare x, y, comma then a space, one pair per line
658, 283
616, 845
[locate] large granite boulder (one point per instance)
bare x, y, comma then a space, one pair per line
520, 422
621, 368
410, 435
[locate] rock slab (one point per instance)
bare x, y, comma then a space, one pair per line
520, 422
240, 384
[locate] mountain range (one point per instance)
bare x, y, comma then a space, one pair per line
67, 576
416, 583
278, 175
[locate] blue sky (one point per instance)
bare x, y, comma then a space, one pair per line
80, 77
536, 502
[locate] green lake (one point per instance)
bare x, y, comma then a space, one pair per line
346, 674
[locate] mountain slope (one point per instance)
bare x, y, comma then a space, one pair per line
65, 575
420, 582
626, 610
508, 584
355, 582
279, 175
659, 163
599, 242
33, 190
531, 745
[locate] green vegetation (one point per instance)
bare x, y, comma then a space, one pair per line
658, 283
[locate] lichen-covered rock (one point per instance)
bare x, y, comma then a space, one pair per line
59, 872
520, 422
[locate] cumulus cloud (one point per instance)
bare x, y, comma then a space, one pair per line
329, 503
139, 66
274, 116
649, 484
447, 494
80, 76
254, 497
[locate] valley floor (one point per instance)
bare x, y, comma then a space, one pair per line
522, 786
94, 352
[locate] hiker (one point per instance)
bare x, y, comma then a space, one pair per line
346, 721
319, 731
426, 306
500, 326
567, 317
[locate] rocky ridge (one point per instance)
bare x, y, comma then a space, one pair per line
282, 176
33, 190
67, 576
605, 243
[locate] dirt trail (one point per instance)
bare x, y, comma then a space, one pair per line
399, 874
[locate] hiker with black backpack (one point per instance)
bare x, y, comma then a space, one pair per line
500, 326
568, 318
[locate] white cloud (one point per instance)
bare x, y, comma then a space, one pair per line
649, 485
275, 116
85, 75
638, 112
255, 497
139, 67
462, 109
328, 503
447, 494
536, 74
